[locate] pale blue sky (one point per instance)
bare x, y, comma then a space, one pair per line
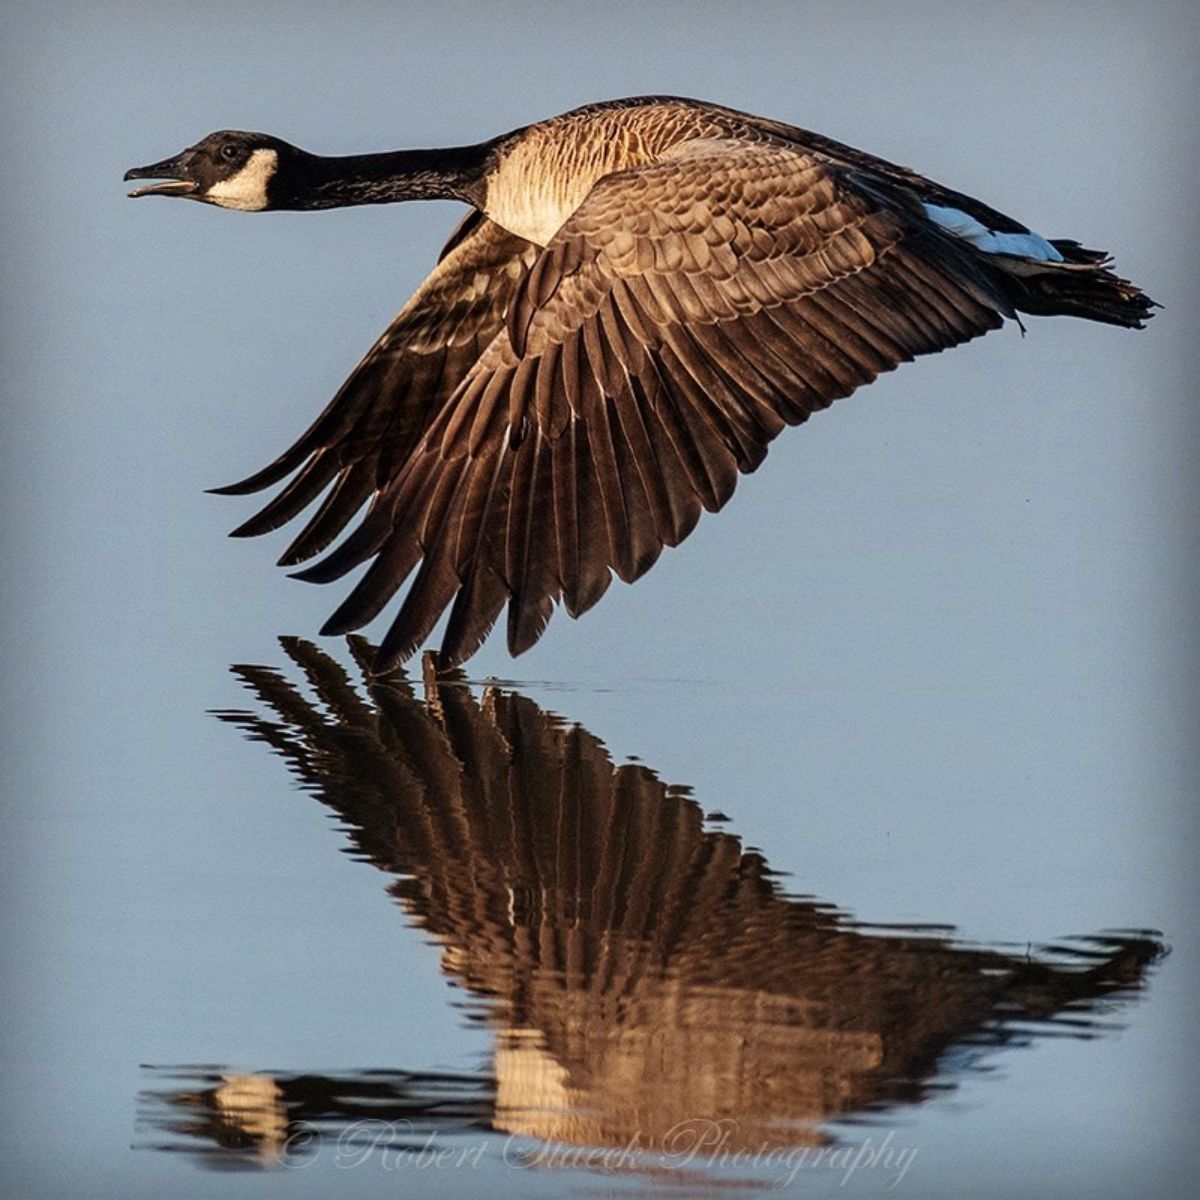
937, 656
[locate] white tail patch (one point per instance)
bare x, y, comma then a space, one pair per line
247, 190
1022, 245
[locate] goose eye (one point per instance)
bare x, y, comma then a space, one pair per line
229, 152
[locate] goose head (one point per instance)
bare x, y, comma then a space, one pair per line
232, 169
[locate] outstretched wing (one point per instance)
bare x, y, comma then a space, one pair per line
685, 313
370, 428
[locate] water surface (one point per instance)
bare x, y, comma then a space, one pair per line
935, 663
659, 1003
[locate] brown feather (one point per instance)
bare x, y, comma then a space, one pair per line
354, 485
533, 582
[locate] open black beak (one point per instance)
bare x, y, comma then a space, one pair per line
174, 170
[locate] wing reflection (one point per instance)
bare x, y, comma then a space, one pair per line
640, 969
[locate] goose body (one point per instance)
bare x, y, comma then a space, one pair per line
644, 294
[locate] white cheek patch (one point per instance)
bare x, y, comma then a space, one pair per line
247, 190
1023, 245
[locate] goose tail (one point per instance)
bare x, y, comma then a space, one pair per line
1081, 285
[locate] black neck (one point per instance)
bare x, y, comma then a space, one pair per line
319, 182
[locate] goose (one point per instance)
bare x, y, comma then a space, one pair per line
644, 293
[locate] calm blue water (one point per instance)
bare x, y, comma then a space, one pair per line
657, 1002
841, 854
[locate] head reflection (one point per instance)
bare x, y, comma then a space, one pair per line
640, 969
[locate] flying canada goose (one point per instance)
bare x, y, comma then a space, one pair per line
645, 293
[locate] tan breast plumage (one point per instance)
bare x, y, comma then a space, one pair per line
544, 176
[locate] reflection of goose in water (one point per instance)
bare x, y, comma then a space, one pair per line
640, 968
